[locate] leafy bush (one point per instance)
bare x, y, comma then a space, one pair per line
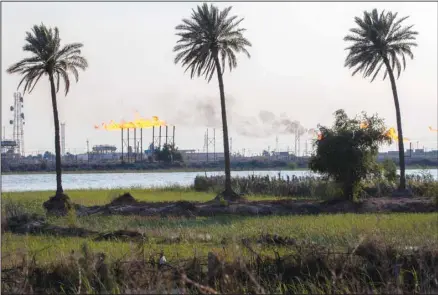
389, 169
292, 166
347, 152
202, 184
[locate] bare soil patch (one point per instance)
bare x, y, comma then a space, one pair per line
127, 205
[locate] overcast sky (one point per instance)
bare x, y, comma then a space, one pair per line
296, 70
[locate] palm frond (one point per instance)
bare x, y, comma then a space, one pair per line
376, 39
208, 35
48, 59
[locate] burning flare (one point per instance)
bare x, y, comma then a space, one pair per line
393, 135
137, 123
389, 133
363, 125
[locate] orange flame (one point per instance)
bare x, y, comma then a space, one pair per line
137, 123
433, 130
363, 125
389, 133
393, 135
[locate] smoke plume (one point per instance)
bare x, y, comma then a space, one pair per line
206, 112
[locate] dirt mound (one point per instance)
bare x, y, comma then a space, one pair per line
59, 205
120, 235
276, 240
35, 224
125, 199
229, 196
24, 223
127, 205
185, 205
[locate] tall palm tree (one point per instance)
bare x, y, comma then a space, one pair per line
207, 40
381, 40
49, 59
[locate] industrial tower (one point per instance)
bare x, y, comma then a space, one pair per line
210, 141
18, 123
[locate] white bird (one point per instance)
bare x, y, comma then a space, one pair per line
162, 259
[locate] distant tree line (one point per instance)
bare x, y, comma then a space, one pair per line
46, 166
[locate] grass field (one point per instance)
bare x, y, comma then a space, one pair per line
180, 237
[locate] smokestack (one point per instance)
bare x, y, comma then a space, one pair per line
159, 138
153, 139
141, 144
166, 133
127, 130
135, 142
122, 142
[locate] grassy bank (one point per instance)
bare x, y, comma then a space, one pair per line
182, 239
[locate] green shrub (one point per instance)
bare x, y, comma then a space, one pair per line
346, 152
292, 166
389, 170
13, 209
202, 184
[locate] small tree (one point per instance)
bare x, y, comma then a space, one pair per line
347, 152
389, 170
168, 153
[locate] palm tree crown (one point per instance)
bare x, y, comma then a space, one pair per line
48, 59
377, 40
209, 33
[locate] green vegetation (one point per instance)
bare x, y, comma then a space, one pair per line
380, 40
48, 58
316, 187
389, 169
207, 40
183, 239
181, 236
347, 152
335, 229
167, 154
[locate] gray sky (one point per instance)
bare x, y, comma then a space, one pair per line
296, 70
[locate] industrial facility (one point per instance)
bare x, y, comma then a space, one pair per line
135, 147
13, 148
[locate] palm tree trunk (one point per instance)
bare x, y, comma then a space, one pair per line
401, 148
59, 189
228, 190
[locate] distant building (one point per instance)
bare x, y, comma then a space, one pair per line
193, 156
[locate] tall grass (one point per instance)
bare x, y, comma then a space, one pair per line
312, 186
369, 266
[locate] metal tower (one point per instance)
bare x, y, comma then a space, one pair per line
299, 131
18, 122
210, 141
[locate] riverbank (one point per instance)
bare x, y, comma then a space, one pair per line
173, 170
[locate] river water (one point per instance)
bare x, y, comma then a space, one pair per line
46, 182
